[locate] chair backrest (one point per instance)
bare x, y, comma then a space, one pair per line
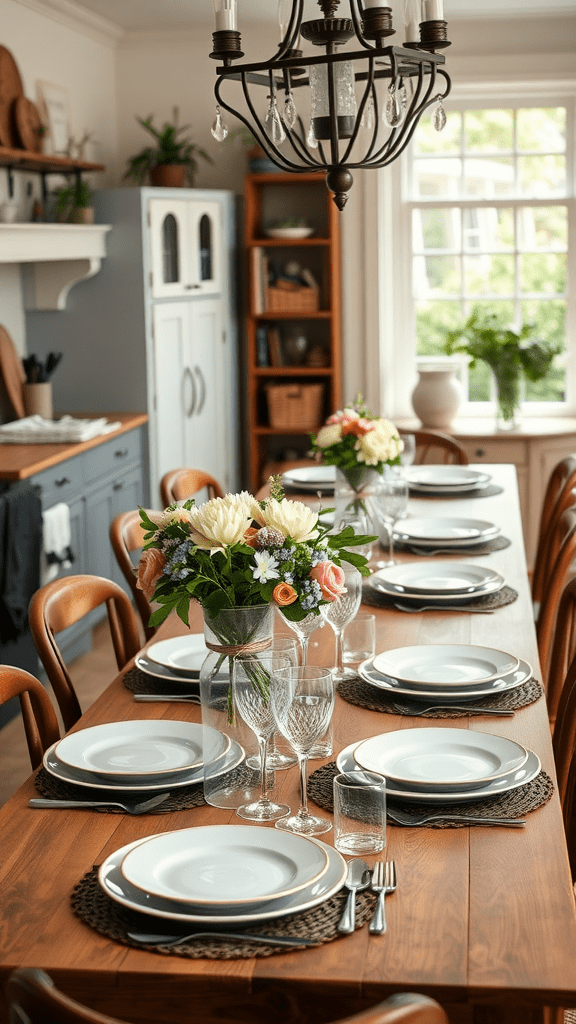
127, 536
38, 715
564, 738
563, 649
559, 496
181, 484
32, 993
65, 601
434, 447
564, 543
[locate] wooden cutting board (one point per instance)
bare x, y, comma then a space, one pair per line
10, 88
12, 375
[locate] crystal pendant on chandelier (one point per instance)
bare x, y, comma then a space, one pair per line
290, 112
393, 112
311, 138
439, 116
219, 127
403, 97
274, 124
367, 120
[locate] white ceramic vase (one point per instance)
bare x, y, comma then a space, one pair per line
436, 398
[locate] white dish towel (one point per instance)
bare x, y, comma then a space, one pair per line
57, 538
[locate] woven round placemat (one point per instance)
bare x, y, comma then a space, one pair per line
506, 595
486, 492
56, 789
139, 682
486, 548
318, 925
363, 695
514, 804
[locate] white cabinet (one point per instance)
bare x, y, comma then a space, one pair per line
185, 247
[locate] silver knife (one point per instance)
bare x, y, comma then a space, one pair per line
185, 698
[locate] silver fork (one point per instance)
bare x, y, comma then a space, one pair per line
383, 882
131, 807
415, 712
408, 818
443, 608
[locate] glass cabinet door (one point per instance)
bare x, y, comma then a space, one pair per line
168, 247
205, 239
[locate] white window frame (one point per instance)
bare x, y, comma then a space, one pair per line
395, 335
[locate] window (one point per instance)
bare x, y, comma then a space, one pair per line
486, 217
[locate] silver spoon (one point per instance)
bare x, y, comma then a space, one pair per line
358, 878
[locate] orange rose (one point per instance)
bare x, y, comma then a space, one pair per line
283, 594
331, 579
357, 427
150, 569
250, 537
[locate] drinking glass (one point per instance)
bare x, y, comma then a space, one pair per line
302, 702
251, 676
359, 813
340, 612
276, 759
388, 501
359, 640
304, 628
408, 455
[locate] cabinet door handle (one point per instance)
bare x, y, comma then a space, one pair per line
121, 453
118, 486
188, 374
62, 481
203, 386
190, 287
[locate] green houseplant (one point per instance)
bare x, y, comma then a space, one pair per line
509, 354
73, 203
172, 161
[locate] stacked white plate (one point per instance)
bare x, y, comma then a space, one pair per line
445, 479
177, 660
445, 673
311, 478
223, 874
445, 532
141, 755
443, 765
449, 582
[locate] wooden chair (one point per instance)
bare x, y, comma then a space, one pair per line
38, 715
181, 484
34, 999
127, 536
434, 447
559, 496
65, 601
564, 544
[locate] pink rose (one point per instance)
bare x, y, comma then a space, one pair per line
331, 579
150, 569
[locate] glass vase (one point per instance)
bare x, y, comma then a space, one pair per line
507, 399
351, 492
232, 632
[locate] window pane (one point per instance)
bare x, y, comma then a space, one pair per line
487, 178
487, 131
543, 272
542, 176
543, 227
488, 229
502, 309
437, 274
435, 229
428, 140
489, 275
480, 383
433, 321
548, 317
542, 129
438, 178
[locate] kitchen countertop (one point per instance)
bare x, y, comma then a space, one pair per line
19, 461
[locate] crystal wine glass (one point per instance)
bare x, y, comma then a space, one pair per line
388, 502
340, 612
304, 628
251, 676
276, 759
302, 702
408, 454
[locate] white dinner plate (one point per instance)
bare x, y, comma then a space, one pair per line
345, 762
225, 865
183, 655
456, 477
231, 759
445, 530
151, 668
119, 889
445, 665
440, 759
438, 580
125, 750
502, 684
311, 478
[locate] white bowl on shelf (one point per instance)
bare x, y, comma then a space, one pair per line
288, 232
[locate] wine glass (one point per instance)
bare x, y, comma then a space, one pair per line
289, 647
408, 454
388, 501
251, 674
304, 628
302, 702
340, 612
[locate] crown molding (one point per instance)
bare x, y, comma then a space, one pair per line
74, 16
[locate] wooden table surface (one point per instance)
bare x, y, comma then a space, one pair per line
483, 918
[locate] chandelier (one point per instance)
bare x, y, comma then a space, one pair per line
334, 109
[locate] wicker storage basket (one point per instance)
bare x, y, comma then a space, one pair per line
295, 406
303, 300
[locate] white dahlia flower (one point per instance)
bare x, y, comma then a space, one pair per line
292, 518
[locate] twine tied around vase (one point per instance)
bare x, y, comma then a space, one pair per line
232, 650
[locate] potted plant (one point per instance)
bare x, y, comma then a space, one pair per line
509, 354
172, 161
73, 203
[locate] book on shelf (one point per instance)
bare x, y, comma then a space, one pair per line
275, 347
259, 279
262, 356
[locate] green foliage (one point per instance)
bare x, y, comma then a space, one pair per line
170, 148
78, 195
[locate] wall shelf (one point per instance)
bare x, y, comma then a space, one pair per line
44, 163
57, 256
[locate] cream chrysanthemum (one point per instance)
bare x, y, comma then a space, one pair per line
292, 518
380, 445
329, 435
220, 522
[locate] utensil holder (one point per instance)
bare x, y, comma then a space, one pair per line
38, 400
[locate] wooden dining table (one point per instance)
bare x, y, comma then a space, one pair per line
483, 918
